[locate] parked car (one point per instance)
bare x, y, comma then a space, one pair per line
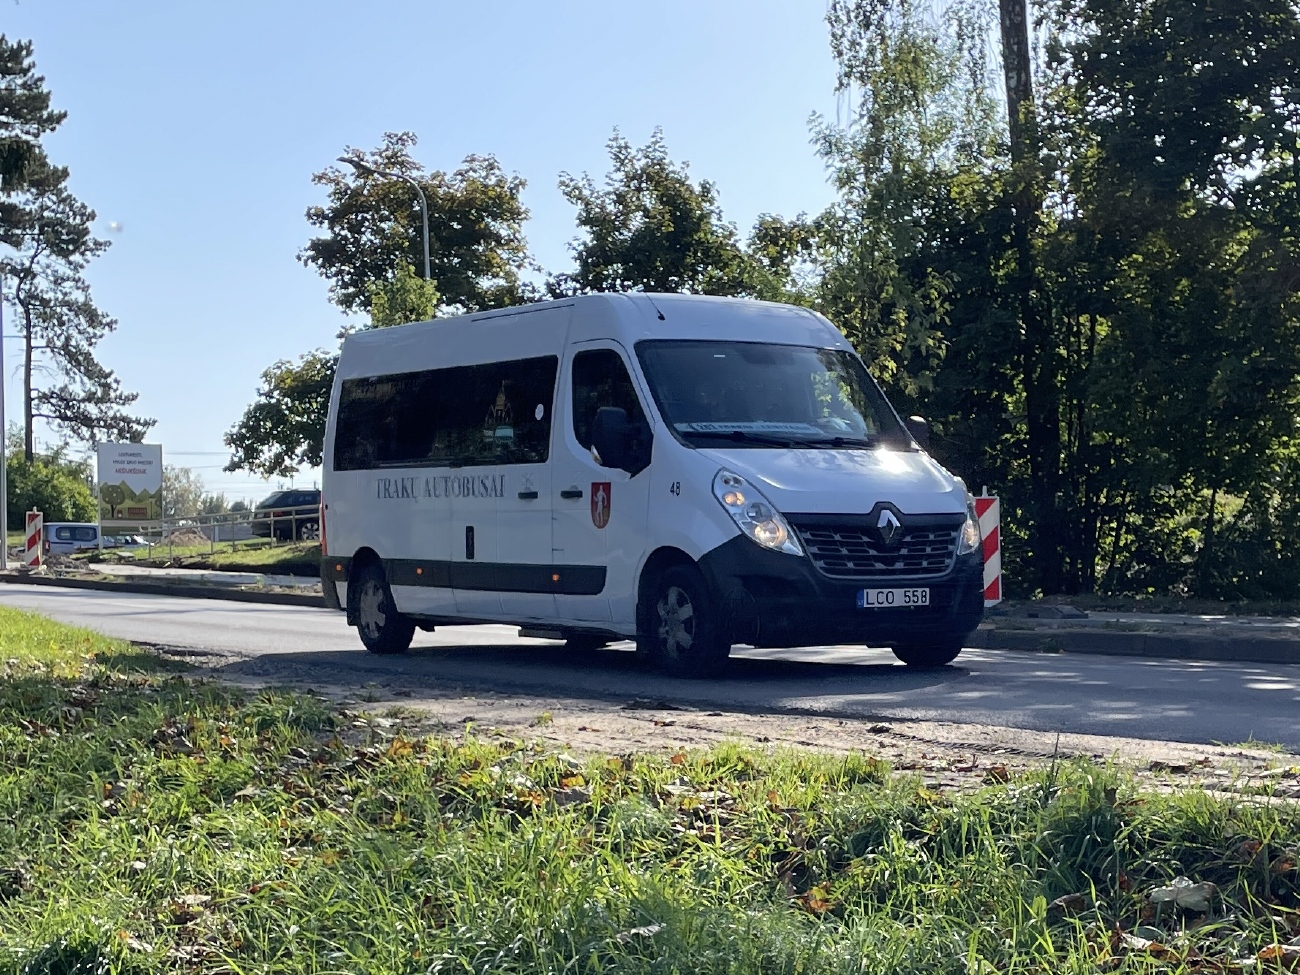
66, 537
293, 514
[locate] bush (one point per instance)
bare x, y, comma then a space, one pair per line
55, 487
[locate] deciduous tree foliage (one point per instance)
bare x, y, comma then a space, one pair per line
369, 254
51, 482
1164, 266
284, 430
372, 226
649, 228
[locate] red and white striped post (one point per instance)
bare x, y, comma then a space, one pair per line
35, 536
989, 512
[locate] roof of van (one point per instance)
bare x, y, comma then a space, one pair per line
522, 331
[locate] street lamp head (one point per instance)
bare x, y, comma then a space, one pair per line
362, 168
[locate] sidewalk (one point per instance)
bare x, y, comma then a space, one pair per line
209, 577
1042, 629
1049, 628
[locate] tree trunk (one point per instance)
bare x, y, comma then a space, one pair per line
1038, 351
1204, 561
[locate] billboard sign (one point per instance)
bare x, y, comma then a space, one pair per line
129, 482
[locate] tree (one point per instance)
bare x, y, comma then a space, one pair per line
25, 116
185, 496
404, 298
651, 229
1177, 264
477, 250
476, 242
284, 430
51, 231
59, 321
51, 483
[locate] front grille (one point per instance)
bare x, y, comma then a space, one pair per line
853, 550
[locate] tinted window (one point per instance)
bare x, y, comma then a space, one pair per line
278, 498
600, 378
63, 534
493, 413
84, 534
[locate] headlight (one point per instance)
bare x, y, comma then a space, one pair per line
969, 540
754, 514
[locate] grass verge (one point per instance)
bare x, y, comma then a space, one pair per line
288, 558
151, 822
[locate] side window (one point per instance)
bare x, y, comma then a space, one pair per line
600, 378
63, 534
491, 413
84, 534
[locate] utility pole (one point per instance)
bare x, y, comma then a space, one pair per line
1038, 353
4, 446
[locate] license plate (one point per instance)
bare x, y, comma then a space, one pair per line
890, 598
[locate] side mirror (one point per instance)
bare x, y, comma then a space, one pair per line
619, 442
919, 428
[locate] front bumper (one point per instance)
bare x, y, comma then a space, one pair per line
772, 599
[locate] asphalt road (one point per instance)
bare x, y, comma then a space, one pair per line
1168, 700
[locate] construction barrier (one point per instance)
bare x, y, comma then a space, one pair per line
990, 514
35, 537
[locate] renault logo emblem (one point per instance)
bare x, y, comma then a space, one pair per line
889, 526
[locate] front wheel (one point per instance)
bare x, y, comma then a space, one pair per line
926, 656
381, 627
679, 632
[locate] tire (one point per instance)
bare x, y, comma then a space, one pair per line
680, 632
381, 627
584, 642
927, 656
309, 531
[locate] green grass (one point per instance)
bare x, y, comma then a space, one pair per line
150, 822
254, 555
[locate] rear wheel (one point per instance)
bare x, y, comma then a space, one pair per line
679, 632
309, 531
381, 627
925, 656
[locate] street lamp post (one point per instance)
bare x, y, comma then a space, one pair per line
362, 167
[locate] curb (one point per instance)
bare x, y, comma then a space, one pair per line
1237, 648
174, 589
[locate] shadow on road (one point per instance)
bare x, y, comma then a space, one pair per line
749, 683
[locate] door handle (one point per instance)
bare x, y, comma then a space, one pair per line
571, 493
528, 495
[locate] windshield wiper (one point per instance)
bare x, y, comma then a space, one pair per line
842, 442
745, 436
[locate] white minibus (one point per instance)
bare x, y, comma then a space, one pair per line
688, 472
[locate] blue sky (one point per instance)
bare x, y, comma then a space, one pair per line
197, 127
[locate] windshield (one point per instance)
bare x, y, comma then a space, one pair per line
759, 394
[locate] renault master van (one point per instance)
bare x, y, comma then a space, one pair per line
684, 471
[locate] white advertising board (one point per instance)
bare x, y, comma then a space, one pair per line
129, 483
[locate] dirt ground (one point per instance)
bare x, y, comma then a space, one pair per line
944, 755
